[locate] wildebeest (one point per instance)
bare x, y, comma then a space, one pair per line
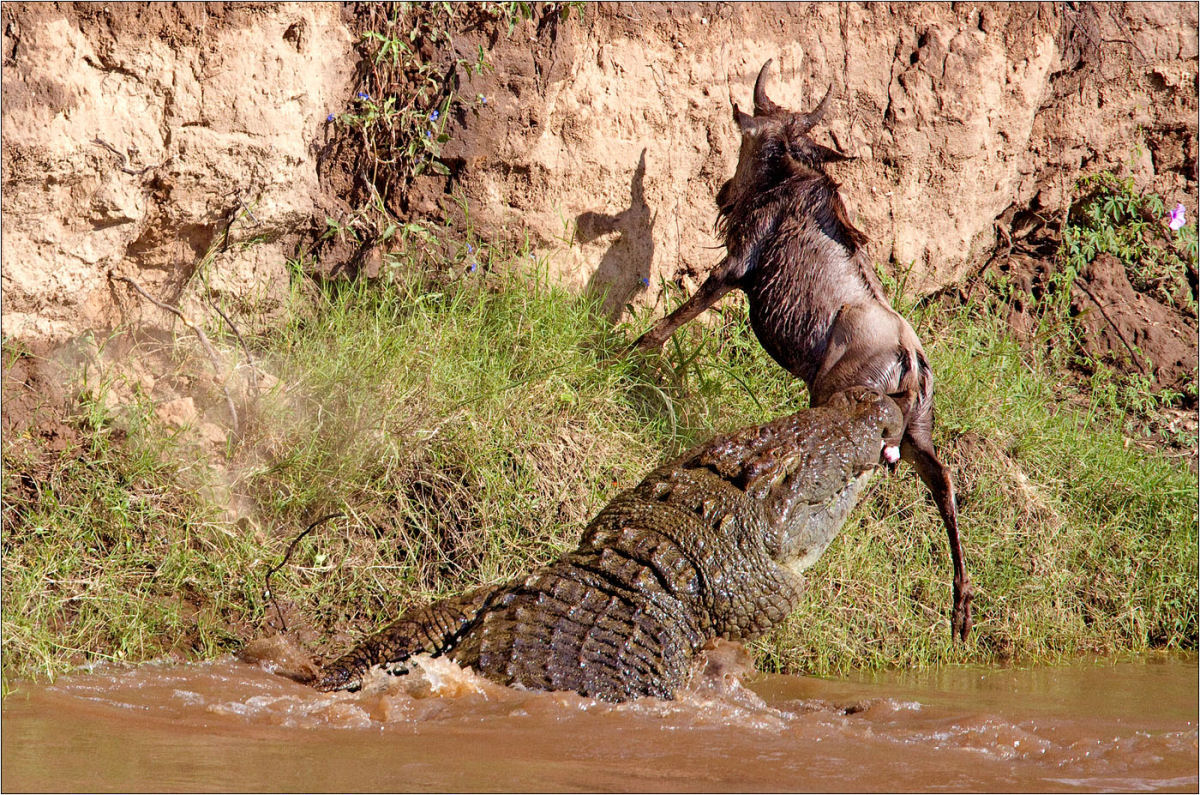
816, 304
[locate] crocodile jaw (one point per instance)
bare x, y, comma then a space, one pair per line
823, 524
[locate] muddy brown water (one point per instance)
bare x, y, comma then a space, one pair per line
225, 725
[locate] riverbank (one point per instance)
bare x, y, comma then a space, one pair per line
466, 423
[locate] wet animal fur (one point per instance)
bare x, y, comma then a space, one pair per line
816, 304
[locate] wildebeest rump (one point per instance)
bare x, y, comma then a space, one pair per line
816, 304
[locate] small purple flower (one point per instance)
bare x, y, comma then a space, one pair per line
428, 133
434, 116
645, 281
483, 100
1178, 217
471, 269
470, 249
363, 96
330, 117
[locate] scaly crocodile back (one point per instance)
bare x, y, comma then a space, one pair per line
709, 545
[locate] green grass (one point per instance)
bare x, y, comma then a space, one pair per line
1076, 541
106, 556
468, 426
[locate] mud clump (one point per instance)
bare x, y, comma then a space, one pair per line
1131, 329
280, 655
37, 431
35, 401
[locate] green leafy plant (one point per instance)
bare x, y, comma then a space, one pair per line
1112, 217
406, 90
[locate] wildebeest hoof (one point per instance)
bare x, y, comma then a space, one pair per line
961, 622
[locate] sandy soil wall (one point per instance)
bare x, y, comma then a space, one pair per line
140, 140
614, 135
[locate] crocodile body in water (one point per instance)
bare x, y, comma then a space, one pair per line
710, 545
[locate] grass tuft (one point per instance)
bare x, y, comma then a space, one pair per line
1076, 541
468, 427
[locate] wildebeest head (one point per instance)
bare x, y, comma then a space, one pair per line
775, 145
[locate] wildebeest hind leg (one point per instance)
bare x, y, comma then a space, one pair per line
919, 452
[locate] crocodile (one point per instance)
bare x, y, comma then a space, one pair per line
711, 545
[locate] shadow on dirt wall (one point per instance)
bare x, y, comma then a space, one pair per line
624, 269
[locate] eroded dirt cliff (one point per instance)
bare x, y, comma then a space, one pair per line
966, 120
181, 146
140, 139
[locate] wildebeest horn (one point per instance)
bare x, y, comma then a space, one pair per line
809, 119
762, 104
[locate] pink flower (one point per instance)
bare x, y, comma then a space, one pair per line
1178, 217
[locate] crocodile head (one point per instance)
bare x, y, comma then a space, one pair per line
806, 470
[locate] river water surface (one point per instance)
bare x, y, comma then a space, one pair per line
225, 725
